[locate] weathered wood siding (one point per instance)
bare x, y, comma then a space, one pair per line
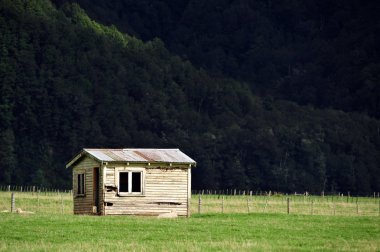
101, 190
84, 204
165, 189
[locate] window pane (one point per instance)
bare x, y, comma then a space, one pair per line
79, 191
80, 184
136, 181
123, 182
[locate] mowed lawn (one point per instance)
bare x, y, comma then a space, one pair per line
205, 232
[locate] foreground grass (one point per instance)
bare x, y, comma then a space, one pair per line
209, 232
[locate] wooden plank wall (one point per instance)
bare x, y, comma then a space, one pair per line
83, 204
166, 189
101, 190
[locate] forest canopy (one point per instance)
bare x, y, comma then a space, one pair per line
68, 82
317, 52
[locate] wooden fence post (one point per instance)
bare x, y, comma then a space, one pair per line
199, 204
312, 207
248, 204
334, 207
288, 205
13, 203
223, 204
61, 204
266, 204
38, 200
357, 206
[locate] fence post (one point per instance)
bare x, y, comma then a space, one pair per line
334, 207
38, 200
248, 204
266, 204
61, 204
199, 204
9, 188
288, 205
357, 206
223, 204
13, 202
312, 207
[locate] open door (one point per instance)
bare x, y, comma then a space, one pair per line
96, 190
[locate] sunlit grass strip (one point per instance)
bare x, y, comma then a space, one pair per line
305, 205
38, 203
62, 203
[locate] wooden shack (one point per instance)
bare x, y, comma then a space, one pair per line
131, 181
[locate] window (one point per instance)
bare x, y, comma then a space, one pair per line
123, 182
130, 183
80, 184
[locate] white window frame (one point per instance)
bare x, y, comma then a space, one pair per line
83, 183
130, 171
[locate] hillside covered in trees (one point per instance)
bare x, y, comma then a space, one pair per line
68, 82
318, 52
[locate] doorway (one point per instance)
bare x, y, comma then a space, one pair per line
96, 190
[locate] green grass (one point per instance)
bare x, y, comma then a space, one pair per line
42, 203
267, 227
308, 205
54, 203
208, 232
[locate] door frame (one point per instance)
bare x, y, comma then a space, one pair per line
95, 189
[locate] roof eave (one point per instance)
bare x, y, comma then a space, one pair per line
84, 152
147, 162
79, 156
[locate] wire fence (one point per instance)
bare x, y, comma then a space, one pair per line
250, 201
36, 200
287, 204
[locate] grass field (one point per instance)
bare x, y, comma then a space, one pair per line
208, 232
308, 205
54, 229
61, 203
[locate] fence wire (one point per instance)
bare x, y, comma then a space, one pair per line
44, 201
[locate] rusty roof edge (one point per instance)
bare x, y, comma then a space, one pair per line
142, 155
85, 151
150, 162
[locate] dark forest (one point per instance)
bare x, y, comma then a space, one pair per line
263, 95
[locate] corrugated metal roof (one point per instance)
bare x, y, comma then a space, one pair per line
136, 155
